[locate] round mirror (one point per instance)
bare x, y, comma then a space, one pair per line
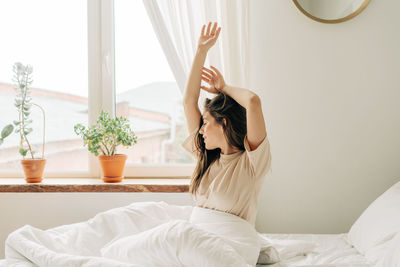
331, 11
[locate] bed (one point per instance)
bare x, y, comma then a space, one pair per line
330, 250
136, 235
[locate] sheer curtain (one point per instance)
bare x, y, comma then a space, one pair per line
177, 24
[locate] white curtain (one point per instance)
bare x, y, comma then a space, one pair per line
177, 24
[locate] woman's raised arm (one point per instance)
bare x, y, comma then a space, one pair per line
206, 41
256, 131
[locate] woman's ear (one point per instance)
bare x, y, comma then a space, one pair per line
224, 121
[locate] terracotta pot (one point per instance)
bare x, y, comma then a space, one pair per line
112, 167
33, 169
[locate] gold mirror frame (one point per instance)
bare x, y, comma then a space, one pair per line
350, 16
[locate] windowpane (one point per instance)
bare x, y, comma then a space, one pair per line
146, 92
51, 36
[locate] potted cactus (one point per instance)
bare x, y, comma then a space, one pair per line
33, 166
102, 140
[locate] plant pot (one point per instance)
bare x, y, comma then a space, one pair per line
112, 167
33, 169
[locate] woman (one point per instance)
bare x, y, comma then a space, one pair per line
230, 143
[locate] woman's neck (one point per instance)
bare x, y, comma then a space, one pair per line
229, 150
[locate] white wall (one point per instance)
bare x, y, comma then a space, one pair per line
331, 102
331, 99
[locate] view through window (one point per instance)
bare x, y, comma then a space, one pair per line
51, 36
146, 92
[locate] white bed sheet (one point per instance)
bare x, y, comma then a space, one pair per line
332, 250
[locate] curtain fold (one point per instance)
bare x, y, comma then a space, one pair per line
177, 24
167, 43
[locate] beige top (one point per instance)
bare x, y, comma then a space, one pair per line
233, 182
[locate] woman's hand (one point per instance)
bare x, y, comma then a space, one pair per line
208, 38
214, 79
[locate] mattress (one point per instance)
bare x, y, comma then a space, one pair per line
331, 250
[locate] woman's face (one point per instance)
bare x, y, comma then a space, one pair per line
212, 132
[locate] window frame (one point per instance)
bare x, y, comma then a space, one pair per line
101, 96
102, 64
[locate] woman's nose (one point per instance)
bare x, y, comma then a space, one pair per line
201, 131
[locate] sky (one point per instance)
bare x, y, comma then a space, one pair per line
51, 36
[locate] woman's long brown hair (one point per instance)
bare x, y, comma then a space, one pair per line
220, 107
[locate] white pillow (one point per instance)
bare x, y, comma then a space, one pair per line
392, 257
377, 254
379, 222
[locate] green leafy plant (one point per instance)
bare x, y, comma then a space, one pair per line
106, 134
7, 130
23, 102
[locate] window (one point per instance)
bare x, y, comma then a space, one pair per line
89, 56
146, 92
42, 34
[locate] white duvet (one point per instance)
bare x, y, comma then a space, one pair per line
331, 250
146, 234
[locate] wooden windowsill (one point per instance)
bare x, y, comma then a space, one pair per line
18, 185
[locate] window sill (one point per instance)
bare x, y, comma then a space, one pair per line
18, 185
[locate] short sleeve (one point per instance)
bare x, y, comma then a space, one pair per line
260, 158
189, 144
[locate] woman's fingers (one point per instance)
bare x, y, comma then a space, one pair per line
208, 28
211, 31
214, 28
209, 71
206, 80
206, 74
216, 70
202, 30
217, 33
